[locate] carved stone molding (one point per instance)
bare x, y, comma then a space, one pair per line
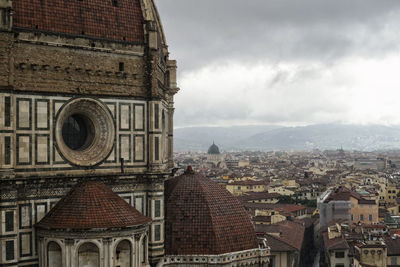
98, 122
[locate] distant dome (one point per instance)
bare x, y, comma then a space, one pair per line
92, 205
203, 218
213, 149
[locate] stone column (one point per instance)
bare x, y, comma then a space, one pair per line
42, 252
136, 250
69, 261
107, 250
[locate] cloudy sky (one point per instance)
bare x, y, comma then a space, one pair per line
286, 62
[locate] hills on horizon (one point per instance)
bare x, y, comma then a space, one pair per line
270, 137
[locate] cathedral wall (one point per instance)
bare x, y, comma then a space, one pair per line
41, 73
46, 63
5, 44
28, 143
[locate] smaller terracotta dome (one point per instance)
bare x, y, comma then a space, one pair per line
92, 205
203, 218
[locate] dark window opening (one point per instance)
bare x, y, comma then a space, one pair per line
156, 115
121, 66
10, 250
115, 3
157, 233
78, 132
7, 150
3, 15
156, 148
339, 254
157, 208
7, 109
9, 221
166, 79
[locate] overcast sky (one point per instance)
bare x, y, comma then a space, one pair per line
286, 62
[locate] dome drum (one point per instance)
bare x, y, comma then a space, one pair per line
127, 249
251, 257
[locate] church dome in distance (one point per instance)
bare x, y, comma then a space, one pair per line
203, 218
213, 149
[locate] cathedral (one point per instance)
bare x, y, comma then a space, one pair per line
86, 145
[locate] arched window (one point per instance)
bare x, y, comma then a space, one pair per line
123, 252
88, 255
54, 257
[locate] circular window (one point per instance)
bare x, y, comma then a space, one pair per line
84, 131
78, 132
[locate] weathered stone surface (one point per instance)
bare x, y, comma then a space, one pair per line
41, 70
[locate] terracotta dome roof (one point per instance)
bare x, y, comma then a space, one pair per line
114, 19
202, 217
92, 205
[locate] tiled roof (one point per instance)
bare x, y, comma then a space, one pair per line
202, 217
95, 18
248, 182
292, 233
393, 246
276, 244
334, 243
344, 194
291, 208
92, 205
288, 209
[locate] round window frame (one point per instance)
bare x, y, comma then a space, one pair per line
103, 136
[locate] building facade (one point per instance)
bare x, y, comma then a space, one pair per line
86, 94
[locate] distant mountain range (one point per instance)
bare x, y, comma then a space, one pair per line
264, 138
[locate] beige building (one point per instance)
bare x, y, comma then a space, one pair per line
363, 210
290, 183
282, 190
335, 247
370, 253
344, 204
238, 188
392, 192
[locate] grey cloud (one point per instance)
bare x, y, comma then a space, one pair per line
315, 38
202, 32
